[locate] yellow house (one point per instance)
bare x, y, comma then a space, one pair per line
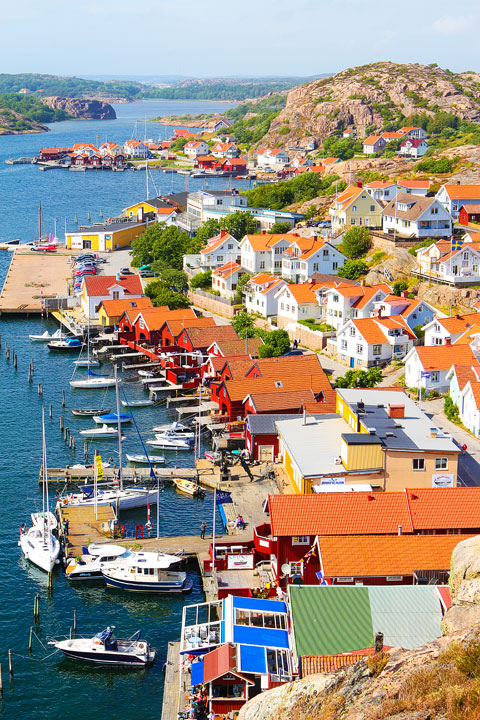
355, 207
110, 311
105, 238
160, 207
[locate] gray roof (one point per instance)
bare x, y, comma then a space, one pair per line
106, 227
265, 424
412, 432
315, 446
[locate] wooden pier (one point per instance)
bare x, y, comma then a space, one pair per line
84, 527
33, 277
172, 692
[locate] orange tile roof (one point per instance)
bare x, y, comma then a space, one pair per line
229, 347
264, 241
227, 270
475, 387
239, 389
380, 183
177, 326
371, 139
392, 135
330, 160
442, 357
267, 402
466, 373
203, 337
419, 184
273, 286
262, 278
115, 308
303, 292
217, 241
98, 285
407, 128
377, 556
238, 366
367, 292
271, 367
155, 318
458, 323
468, 335
350, 194
371, 328
376, 513
463, 192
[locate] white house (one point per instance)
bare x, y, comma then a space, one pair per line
413, 147
452, 197
456, 261
272, 159
428, 367
374, 144
415, 216
344, 302
225, 150
260, 292
415, 187
97, 288
412, 131
194, 148
219, 250
447, 330
458, 376
415, 312
225, 279
297, 302
382, 190
136, 149
306, 256
364, 342
471, 407
263, 252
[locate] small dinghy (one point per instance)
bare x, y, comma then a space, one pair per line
102, 433
188, 487
112, 418
89, 412
144, 460
105, 648
138, 403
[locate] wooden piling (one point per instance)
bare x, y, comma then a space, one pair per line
10, 664
70, 633
50, 581
85, 451
30, 639
30, 379
74, 623
39, 388
1, 681
15, 362
33, 366
65, 434
63, 398
61, 423
73, 443
50, 410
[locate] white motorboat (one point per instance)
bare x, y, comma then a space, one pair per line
146, 373
144, 460
125, 499
112, 418
164, 443
138, 403
87, 566
47, 518
93, 382
46, 337
40, 546
105, 648
176, 429
102, 433
148, 572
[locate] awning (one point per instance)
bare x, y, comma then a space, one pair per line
197, 673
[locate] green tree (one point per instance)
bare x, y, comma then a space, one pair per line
161, 243
201, 280
242, 281
353, 269
359, 378
279, 228
239, 224
178, 145
176, 280
242, 323
399, 286
356, 242
207, 230
276, 342
160, 294
419, 331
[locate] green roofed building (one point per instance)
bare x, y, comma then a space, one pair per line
327, 620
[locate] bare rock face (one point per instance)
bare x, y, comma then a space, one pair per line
464, 586
399, 264
84, 109
372, 95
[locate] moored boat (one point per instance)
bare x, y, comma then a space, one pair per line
69, 345
144, 460
148, 572
89, 412
138, 403
112, 418
88, 565
125, 499
164, 443
188, 487
105, 648
46, 518
104, 432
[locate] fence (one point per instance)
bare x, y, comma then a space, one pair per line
213, 303
61, 303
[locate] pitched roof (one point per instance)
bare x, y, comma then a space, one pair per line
414, 184
351, 193
262, 279
465, 374
281, 383
115, 308
469, 335
376, 556
475, 388
237, 346
237, 365
368, 292
442, 357
303, 292
264, 241
377, 184
371, 328
275, 366
203, 337
414, 142
463, 192
98, 285
227, 270
218, 662
155, 318
315, 402
378, 513
416, 206
458, 323
217, 241
372, 139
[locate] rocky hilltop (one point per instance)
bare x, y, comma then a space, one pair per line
79, 108
368, 97
13, 123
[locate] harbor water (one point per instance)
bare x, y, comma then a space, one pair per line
65, 195
54, 686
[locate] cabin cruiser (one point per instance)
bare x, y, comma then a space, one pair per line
169, 443
104, 432
148, 572
87, 565
176, 429
46, 337
105, 648
126, 499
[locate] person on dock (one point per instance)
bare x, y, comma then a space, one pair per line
65, 527
203, 527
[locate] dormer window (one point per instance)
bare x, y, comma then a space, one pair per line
403, 207
115, 294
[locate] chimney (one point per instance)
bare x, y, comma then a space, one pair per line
405, 293
400, 529
448, 341
264, 232
359, 184
223, 233
396, 410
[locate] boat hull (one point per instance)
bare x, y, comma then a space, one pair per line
88, 385
108, 658
37, 556
147, 587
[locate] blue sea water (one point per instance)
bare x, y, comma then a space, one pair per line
65, 194
59, 687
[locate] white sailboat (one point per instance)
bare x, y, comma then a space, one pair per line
39, 544
165, 443
88, 362
101, 433
93, 381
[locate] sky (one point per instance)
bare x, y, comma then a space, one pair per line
247, 38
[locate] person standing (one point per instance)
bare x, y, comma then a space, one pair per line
203, 527
65, 527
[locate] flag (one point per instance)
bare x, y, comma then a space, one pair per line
99, 467
457, 244
425, 375
223, 496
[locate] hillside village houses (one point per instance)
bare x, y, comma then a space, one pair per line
225, 150
427, 367
413, 148
374, 144
452, 197
306, 256
264, 251
98, 288
364, 342
220, 249
272, 159
410, 215
386, 190
261, 294
347, 301
194, 148
355, 206
447, 330
225, 279
297, 302
456, 261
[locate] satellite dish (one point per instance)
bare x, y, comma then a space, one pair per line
285, 568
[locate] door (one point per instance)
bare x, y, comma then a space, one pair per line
352, 362
87, 244
265, 453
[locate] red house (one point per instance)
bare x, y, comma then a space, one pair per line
206, 162
261, 437
148, 323
232, 165
228, 689
173, 326
200, 338
469, 214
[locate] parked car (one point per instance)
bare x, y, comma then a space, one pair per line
146, 274
126, 271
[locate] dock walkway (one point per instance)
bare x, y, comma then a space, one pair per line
31, 277
84, 528
172, 695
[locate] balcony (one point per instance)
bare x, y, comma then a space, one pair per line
262, 538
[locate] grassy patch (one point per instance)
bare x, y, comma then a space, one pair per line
376, 258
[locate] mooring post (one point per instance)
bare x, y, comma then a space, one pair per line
15, 361
30, 374
50, 410
74, 623
85, 451
1, 681
65, 434
33, 366
61, 423
30, 639
63, 398
50, 581
10, 665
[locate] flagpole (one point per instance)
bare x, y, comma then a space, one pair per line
214, 519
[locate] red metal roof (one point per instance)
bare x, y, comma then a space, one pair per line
219, 662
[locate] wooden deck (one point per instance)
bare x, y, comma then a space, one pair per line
31, 275
84, 527
172, 695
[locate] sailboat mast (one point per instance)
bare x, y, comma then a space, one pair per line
119, 426
43, 473
39, 220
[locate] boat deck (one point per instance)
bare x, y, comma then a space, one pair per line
84, 527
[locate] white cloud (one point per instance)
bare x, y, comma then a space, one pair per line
451, 25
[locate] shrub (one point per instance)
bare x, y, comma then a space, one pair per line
201, 280
356, 242
353, 269
451, 410
430, 165
399, 286
359, 378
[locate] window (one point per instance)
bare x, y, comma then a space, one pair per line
352, 221
296, 568
335, 265
262, 264
344, 580
344, 344
315, 267
359, 349
344, 357
359, 361
354, 208
434, 210
352, 332
278, 384
301, 540
219, 258
377, 349
418, 464
372, 208
465, 255
115, 294
336, 298
282, 306
435, 376
441, 463
397, 348
325, 252
230, 246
